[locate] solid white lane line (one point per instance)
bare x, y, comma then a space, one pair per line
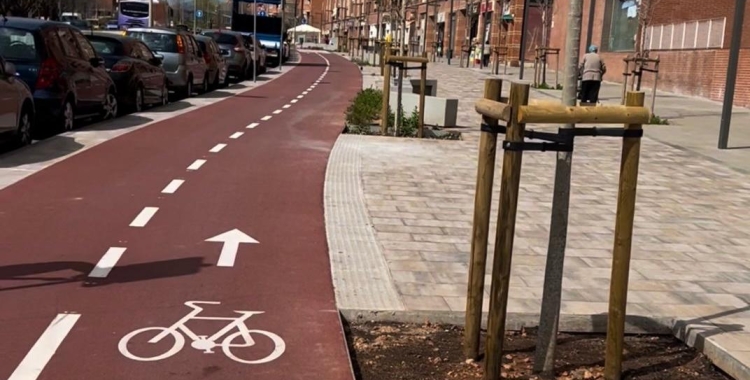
276, 112
173, 186
253, 125
218, 148
45, 347
285, 106
142, 219
196, 164
293, 101
236, 135
266, 118
107, 262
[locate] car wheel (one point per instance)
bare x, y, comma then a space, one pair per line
109, 108
139, 101
217, 80
204, 86
24, 132
189, 88
68, 116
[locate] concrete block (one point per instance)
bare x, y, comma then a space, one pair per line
439, 112
430, 87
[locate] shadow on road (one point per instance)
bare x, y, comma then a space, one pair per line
36, 275
41, 151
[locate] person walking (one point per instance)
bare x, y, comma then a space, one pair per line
592, 71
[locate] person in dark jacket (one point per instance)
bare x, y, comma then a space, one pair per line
592, 71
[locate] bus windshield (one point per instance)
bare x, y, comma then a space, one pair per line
134, 9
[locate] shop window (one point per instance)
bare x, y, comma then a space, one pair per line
620, 25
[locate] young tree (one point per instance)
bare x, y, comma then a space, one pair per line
645, 17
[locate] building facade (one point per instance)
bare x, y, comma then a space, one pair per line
349, 23
690, 37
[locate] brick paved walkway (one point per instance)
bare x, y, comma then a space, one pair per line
691, 238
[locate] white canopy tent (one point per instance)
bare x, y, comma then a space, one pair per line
306, 33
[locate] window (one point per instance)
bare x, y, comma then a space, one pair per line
157, 41
701, 34
68, 43
620, 25
17, 44
105, 46
85, 47
145, 52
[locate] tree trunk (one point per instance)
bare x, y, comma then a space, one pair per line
544, 360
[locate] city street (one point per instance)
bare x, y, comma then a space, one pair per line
191, 248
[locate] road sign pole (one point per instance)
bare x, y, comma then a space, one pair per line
255, 38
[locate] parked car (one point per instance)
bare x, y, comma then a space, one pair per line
66, 77
135, 69
16, 105
235, 51
112, 25
183, 59
257, 52
217, 70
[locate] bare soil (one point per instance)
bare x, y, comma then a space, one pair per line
393, 351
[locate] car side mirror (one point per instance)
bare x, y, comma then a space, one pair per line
9, 69
158, 57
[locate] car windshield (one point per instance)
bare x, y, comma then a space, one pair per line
224, 38
17, 44
162, 42
105, 46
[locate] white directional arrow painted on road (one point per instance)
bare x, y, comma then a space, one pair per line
232, 240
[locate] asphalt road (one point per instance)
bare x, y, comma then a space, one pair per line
108, 255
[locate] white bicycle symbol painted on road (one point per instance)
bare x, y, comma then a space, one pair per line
204, 342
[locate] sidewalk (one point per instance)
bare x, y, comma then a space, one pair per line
399, 211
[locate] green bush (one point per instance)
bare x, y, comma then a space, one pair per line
409, 124
365, 108
658, 120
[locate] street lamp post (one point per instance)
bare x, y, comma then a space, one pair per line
450, 36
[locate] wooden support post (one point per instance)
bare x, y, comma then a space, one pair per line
422, 90
481, 225
386, 90
506, 228
626, 77
399, 96
557, 69
618, 288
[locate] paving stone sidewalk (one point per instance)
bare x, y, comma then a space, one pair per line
399, 211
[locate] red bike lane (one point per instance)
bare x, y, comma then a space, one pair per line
266, 183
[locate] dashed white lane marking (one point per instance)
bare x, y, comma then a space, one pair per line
293, 101
251, 126
266, 118
142, 219
107, 262
285, 106
236, 135
300, 96
45, 347
304, 92
276, 112
174, 185
218, 148
196, 164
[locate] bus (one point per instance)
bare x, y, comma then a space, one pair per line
141, 13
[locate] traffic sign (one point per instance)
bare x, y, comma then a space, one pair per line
199, 13
262, 13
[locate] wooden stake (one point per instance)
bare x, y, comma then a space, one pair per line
506, 226
481, 225
618, 289
422, 90
386, 90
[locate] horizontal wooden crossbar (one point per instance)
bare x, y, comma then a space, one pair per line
398, 58
549, 113
492, 109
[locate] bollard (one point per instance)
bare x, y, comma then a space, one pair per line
506, 225
422, 89
481, 225
618, 289
386, 90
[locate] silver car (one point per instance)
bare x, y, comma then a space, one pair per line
16, 105
183, 59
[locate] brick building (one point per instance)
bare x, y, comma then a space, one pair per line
691, 38
429, 23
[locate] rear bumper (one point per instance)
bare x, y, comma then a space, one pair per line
177, 79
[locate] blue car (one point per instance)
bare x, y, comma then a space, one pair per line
66, 77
